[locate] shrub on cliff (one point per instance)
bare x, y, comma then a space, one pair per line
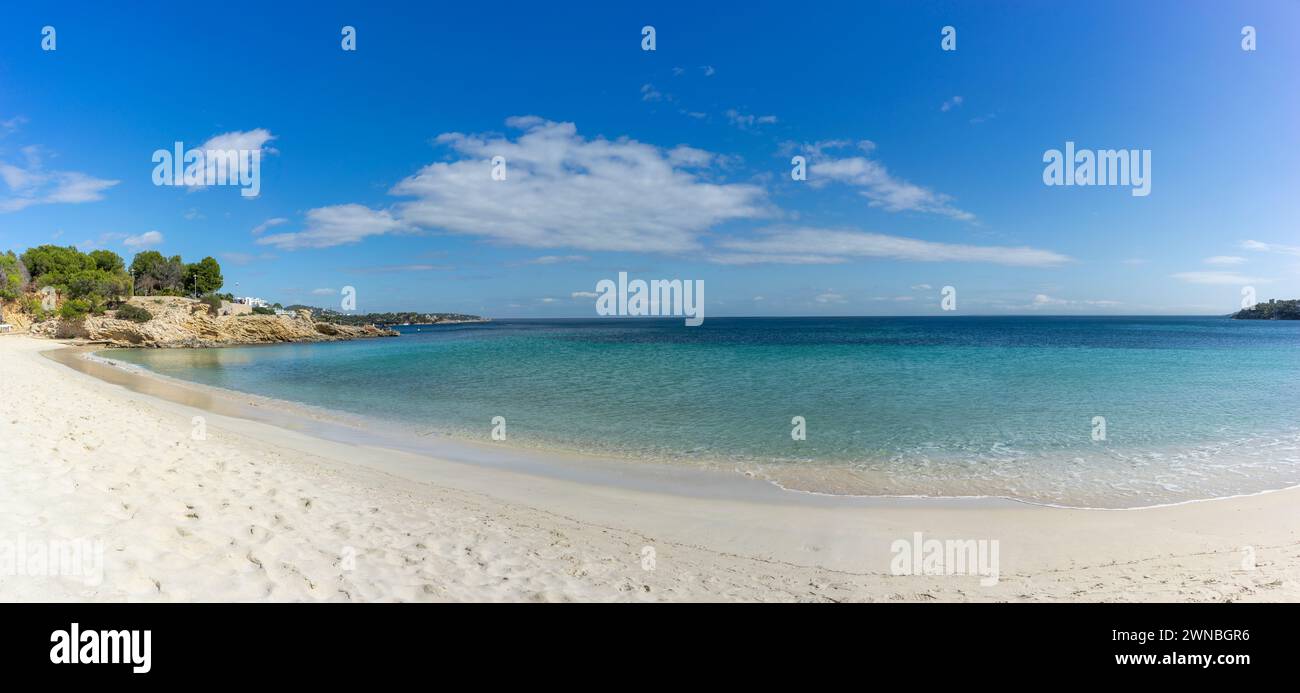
97, 284
32, 306
213, 303
134, 313
74, 309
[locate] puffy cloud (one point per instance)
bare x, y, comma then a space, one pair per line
243, 141
148, 239
335, 225
564, 190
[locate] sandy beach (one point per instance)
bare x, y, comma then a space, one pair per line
229, 508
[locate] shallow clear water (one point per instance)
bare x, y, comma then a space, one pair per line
1004, 406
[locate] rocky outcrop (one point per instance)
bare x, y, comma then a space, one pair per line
12, 314
182, 322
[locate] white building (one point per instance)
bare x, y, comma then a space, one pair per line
253, 302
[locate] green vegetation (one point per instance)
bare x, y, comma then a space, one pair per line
258, 310
133, 313
385, 318
99, 280
204, 277
1273, 310
74, 309
213, 303
52, 265
94, 280
156, 275
13, 276
108, 261
32, 306
97, 284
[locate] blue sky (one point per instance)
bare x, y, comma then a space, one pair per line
925, 166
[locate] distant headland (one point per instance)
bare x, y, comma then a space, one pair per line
388, 319
1273, 310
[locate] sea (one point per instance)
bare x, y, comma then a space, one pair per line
1100, 412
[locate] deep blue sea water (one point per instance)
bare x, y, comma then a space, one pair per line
1004, 406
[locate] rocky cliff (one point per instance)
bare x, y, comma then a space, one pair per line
182, 322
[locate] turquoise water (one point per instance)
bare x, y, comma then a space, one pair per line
1001, 406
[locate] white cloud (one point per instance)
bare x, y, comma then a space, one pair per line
803, 245
563, 190
251, 140
323, 292
708, 70
1271, 247
1224, 260
148, 239
950, 104
691, 157
649, 93
269, 223
747, 121
31, 184
1217, 277
583, 294
10, 126
336, 225
557, 259
877, 184
1042, 300
921, 287
829, 297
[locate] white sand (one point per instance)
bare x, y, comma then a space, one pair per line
259, 513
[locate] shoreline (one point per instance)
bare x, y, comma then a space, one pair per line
555, 463
549, 461
256, 511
